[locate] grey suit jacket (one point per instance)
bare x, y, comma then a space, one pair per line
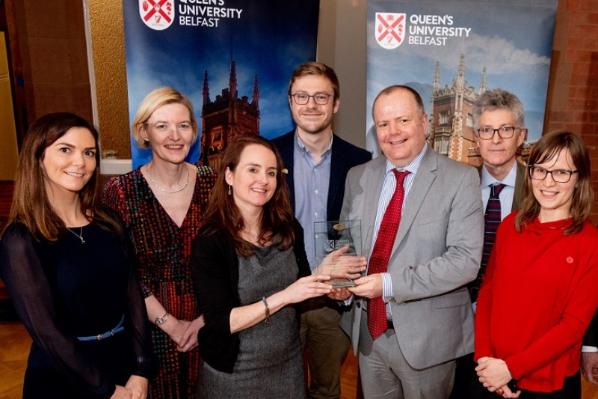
436, 252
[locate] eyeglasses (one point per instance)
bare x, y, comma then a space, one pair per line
558, 175
163, 127
504, 132
303, 98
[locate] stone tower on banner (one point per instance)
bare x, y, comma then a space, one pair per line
451, 130
226, 117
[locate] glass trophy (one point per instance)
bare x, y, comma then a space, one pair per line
332, 235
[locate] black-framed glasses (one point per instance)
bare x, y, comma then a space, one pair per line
504, 132
303, 98
558, 175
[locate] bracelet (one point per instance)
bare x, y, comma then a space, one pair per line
161, 320
267, 310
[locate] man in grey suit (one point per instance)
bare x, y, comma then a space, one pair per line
435, 252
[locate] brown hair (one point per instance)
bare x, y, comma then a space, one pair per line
223, 214
390, 89
30, 204
498, 99
154, 100
546, 149
318, 69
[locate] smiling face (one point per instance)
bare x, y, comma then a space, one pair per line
69, 162
555, 198
498, 153
254, 179
313, 118
170, 133
400, 126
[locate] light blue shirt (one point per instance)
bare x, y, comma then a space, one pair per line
507, 193
311, 182
388, 189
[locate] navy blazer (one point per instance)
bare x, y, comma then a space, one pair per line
344, 156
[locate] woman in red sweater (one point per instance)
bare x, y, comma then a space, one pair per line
539, 293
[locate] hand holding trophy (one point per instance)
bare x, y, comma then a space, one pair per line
338, 249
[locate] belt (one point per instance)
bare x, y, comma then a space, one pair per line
119, 328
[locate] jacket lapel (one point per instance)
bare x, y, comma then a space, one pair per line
426, 174
336, 181
374, 180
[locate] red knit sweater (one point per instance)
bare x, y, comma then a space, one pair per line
538, 296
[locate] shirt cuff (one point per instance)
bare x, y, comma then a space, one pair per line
587, 348
386, 287
348, 301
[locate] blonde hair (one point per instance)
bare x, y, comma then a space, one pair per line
154, 100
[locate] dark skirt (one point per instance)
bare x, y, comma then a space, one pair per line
114, 358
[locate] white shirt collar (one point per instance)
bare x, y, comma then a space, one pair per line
509, 180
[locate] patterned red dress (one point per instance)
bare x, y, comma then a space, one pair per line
162, 250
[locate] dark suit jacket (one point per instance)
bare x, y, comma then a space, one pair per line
591, 337
215, 270
519, 184
344, 156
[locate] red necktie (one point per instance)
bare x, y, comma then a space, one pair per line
377, 322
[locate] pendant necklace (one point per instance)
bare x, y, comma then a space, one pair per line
79, 236
164, 189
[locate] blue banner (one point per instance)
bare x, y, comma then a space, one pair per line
452, 50
205, 45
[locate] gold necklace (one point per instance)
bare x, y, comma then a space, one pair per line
79, 236
164, 189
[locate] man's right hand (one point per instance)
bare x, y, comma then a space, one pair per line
369, 286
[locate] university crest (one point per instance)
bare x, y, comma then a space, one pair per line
157, 14
390, 29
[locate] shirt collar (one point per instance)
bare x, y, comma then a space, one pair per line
301, 146
509, 180
412, 166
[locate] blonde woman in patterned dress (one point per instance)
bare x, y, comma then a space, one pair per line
162, 204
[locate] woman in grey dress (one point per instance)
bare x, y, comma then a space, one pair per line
249, 268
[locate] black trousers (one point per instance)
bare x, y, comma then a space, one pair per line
467, 385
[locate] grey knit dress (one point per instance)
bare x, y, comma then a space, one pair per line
269, 364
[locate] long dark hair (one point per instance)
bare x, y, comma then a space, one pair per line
223, 213
30, 204
546, 149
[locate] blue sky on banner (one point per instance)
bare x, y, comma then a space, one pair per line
265, 37
512, 39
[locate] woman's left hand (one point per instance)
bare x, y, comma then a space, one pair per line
339, 294
137, 385
493, 373
189, 338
